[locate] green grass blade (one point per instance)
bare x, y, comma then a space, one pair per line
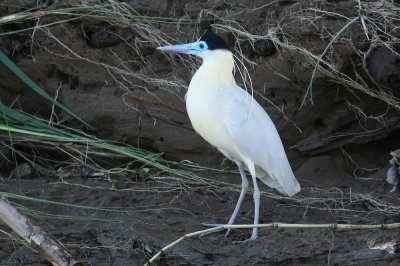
335, 37
16, 122
15, 118
21, 75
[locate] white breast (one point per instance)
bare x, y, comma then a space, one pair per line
204, 104
206, 115
207, 100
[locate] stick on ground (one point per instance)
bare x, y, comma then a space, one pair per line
37, 239
275, 225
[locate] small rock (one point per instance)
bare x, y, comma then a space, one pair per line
393, 174
383, 65
22, 171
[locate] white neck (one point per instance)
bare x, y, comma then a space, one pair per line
216, 70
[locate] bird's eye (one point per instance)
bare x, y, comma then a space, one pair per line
201, 45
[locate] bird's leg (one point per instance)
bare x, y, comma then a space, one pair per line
245, 185
256, 196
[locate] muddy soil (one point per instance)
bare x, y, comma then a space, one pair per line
150, 220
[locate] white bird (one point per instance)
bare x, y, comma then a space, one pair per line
231, 120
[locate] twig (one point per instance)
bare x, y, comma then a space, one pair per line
275, 225
37, 239
176, 242
309, 89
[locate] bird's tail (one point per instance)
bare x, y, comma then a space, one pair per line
294, 188
286, 184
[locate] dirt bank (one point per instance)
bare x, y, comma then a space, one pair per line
111, 75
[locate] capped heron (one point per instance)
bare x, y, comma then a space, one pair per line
231, 120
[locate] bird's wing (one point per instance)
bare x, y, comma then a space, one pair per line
256, 137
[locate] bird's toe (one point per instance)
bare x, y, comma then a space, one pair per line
211, 225
228, 232
245, 240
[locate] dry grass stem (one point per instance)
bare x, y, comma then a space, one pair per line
275, 225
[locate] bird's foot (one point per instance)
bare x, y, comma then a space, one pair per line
210, 225
253, 237
228, 232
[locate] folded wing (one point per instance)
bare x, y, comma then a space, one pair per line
256, 137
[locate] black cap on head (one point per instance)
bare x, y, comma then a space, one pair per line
214, 41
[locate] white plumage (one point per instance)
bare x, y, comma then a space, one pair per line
229, 118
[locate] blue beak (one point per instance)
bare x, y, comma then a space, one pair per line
189, 48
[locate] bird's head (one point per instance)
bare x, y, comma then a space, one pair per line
205, 46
